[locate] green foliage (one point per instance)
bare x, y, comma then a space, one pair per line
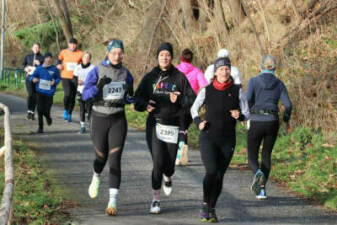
35, 200
43, 33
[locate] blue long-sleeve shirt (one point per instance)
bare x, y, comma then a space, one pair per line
263, 93
46, 74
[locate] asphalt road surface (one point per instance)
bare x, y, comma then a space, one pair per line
69, 156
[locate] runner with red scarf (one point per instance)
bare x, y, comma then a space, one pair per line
225, 103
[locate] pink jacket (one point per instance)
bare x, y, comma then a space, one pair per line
194, 76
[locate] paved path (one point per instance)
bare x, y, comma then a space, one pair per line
69, 155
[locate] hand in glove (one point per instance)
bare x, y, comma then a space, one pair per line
103, 81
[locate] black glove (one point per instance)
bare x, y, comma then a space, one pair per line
103, 81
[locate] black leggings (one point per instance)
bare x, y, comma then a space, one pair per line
44, 104
258, 131
85, 107
163, 154
108, 135
32, 97
216, 154
69, 88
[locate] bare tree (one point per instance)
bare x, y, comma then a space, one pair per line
64, 17
189, 19
237, 10
220, 17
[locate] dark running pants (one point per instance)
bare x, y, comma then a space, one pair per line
163, 154
44, 104
69, 88
108, 135
216, 154
261, 131
32, 96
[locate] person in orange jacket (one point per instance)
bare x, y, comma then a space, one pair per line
67, 61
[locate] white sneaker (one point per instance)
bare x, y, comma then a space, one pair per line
94, 187
167, 186
177, 162
155, 207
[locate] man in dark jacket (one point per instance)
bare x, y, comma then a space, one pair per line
29, 64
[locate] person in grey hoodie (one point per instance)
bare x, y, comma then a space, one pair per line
263, 94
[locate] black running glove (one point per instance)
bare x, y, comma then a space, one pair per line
103, 81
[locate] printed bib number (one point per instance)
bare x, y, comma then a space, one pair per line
71, 66
167, 133
45, 85
113, 91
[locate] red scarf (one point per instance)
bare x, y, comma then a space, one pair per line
221, 87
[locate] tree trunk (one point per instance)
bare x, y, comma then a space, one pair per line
190, 22
220, 18
67, 16
237, 10
66, 26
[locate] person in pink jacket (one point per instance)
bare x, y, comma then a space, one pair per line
197, 81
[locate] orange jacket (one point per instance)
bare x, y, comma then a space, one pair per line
69, 62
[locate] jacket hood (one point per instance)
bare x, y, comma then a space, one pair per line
185, 67
268, 80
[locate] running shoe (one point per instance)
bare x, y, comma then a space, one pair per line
32, 116
212, 216
65, 115
183, 156
262, 195
39, 131
167, 186
111, 209
259, 180
94, 187
69, 118
155, 207
28, 116
82, 130
49, 121
204, 212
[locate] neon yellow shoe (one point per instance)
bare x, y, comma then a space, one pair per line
94, 187
111, 209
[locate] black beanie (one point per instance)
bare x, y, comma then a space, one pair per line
48, 54
165, 46
223, 61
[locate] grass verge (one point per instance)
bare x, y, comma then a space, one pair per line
36, 199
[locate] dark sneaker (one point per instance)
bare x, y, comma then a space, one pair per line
39, 131
69, 118
212, 216
204, 215
49, 121
28, 116
258, 182
32, 116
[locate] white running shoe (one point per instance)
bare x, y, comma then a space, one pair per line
167, 186
94, 187
155, 207
177, 162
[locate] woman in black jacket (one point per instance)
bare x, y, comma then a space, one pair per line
225, 103
164, 93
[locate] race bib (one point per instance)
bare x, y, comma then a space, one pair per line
44, 85
32, 69
113, 91
71, 66
167, 133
